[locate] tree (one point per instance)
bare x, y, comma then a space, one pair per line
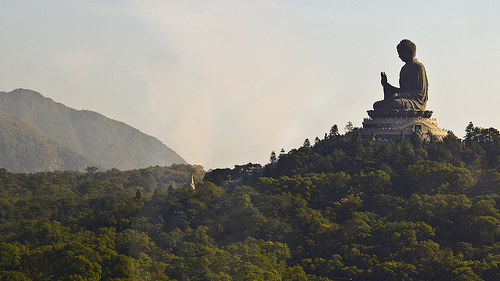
91, 169
307, 143
12, 276
138, 195
469, 132
334, 131
349, 127
273, 158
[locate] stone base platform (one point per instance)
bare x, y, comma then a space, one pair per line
399, 113
380, 127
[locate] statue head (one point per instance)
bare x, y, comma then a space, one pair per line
406, 50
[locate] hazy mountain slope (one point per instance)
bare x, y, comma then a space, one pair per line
24, 148
111, 143
52, 118
116, 144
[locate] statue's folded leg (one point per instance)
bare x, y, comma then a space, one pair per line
388, 104
379, 105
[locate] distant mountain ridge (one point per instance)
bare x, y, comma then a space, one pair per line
25, 149
101, 140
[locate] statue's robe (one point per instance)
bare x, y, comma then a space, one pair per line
412, 89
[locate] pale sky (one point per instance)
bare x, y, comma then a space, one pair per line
225, 82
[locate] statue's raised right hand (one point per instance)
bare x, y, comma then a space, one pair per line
383, 79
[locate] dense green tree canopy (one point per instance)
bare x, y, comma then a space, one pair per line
338, 208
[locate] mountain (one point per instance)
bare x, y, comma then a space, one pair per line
107, 142
27, 149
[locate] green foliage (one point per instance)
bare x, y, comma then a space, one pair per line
339, 209
430, 177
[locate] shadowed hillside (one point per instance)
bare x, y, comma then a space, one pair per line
111, 143
24, 148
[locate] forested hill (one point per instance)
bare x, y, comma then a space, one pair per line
109, 143
396, 210
477, 155
24, 148
337, 209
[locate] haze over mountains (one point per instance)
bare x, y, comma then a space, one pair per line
39, 134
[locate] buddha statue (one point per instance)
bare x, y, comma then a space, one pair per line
411, 96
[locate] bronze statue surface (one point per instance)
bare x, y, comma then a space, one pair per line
412, 92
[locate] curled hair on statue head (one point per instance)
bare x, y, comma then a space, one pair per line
408, 45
